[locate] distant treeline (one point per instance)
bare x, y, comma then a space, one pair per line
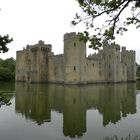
7, 69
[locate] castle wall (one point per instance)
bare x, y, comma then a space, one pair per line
114, 69
93, 71
32, 63
37, 63
128, 58
55, 68
22, 65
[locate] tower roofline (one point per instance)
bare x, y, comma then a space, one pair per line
71, 35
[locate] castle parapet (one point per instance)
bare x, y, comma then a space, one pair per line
71, 35
129, 52
118, 48
132, 52
40, 42
123, 48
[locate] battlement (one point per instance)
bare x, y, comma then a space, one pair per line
93, 57
40, 42
128, 52
118, 48
40, 46
123, 48
59, 55
132, 52
71, 35
111, 46
19, 52
115, 46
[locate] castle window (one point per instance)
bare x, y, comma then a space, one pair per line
74, 44
74, 68
93, 65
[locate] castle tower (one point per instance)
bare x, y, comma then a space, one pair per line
39, 62
74, 58
111, 62
128, 58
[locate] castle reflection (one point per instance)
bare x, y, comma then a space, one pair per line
36, 101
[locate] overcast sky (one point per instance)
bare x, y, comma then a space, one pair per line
29, 21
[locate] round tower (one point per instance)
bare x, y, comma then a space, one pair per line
74, 58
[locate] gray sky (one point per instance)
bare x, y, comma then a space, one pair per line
28, 21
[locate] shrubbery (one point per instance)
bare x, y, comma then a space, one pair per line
7, 69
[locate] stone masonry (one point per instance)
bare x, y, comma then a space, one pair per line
37, 63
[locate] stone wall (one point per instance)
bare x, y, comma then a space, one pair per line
55, 69
37, 63
74, 58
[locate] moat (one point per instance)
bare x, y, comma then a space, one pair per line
57, 112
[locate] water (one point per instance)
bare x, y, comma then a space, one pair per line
58, 112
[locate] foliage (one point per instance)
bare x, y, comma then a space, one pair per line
4, 40
116, 14
7, 69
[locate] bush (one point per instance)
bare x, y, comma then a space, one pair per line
7, 69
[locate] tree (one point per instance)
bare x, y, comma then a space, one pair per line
4, 40
116, 16
7, 69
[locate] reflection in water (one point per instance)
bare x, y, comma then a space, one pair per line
6, 93
36, 101
5, 99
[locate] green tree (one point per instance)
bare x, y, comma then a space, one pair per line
4, 40
7, 69
117, 15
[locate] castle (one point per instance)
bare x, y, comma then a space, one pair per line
37, 63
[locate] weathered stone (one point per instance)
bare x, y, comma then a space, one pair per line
37, 63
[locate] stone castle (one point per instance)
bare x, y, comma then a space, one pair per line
37, 63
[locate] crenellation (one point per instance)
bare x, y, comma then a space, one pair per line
40, 42
59, 55
27, 47
123, 48
37, 63
71, 35
118, 48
